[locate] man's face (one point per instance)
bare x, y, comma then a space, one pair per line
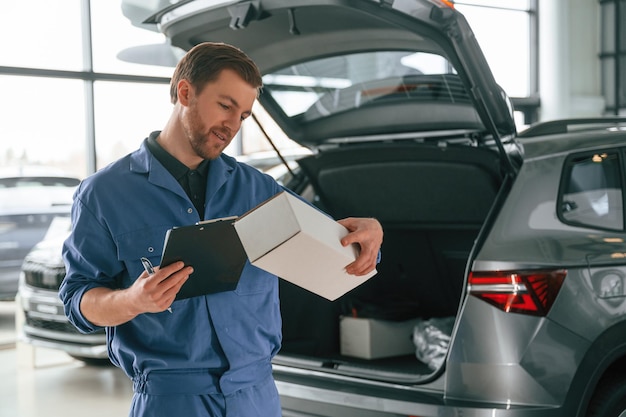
212, 118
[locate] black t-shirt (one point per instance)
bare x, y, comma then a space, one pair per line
193, 181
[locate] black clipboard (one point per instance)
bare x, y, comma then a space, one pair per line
214, 251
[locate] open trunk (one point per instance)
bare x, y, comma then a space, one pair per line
432, 201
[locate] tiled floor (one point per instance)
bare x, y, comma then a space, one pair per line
47, 383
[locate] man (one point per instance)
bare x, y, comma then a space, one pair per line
211, 355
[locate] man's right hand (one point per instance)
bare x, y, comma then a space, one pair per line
156, 293
148, 294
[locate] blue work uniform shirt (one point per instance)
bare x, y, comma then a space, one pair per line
218, 343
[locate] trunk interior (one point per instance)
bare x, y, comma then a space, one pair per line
431, 201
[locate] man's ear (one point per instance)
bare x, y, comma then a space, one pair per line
184, 92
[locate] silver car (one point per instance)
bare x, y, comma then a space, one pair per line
28, 204
44, 322
501, 289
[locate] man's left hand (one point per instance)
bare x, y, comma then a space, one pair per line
368, 234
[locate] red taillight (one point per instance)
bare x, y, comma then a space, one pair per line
444, 3
528, 292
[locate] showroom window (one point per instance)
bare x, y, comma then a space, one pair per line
515, 67
513, 21
54, 76
116, 44
613, 54
116, 104
43, 42
591, 194
38, 139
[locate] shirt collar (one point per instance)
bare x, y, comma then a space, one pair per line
173, 165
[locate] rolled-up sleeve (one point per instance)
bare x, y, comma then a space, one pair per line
90, 262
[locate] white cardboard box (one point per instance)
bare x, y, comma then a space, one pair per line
289, 238
372, 339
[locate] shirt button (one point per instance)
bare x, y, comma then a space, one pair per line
189, 210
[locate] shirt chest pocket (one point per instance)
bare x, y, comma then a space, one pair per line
132, 246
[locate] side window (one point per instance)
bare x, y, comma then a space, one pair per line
591, 192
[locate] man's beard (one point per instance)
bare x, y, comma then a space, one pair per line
198, 139
198, 144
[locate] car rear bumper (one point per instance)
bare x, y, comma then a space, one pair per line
341, 399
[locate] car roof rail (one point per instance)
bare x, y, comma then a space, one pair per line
554, 127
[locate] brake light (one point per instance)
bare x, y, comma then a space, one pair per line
444, 3
526, 292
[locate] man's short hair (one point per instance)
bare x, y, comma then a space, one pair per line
204, 62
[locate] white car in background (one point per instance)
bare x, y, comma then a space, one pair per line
28, 204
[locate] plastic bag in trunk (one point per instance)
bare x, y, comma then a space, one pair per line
431, 338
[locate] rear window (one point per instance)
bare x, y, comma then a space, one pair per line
592, 191
327, 86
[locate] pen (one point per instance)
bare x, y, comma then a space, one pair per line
147, 265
